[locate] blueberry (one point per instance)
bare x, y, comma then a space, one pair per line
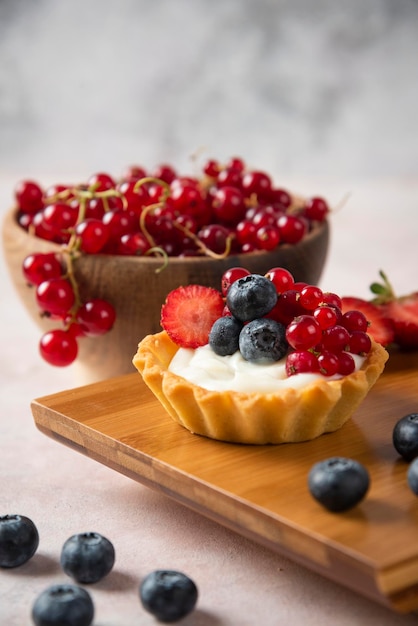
19, 540
412, 476
338, 483
168, 595
87, 557
224, 335
250, 297
63, 605
405, 436
263, 340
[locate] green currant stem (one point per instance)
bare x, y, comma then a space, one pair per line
69, 259
158, 250
144, 213
156, 181
342, 202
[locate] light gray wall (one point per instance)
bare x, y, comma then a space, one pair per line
299, 87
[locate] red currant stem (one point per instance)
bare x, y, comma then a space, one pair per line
207, 251
342, 202
72, 279
60, 195
88, 194
144, 213
158, 250
106, 204
156, 181
252, 201
74, 242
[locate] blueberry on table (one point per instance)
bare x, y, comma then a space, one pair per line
412, 476
338, 483
405, 436
251, 297
168, 595
263, 340
63, 605
19, 540
87, 557
224, 335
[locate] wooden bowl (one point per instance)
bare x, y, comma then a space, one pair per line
137, 289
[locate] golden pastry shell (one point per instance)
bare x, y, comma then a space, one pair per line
288, 415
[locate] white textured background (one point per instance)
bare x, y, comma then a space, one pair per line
324, 88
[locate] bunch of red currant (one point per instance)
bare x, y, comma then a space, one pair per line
225, 209
322, 337
58, 298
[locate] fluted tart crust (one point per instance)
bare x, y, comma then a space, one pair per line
288, 415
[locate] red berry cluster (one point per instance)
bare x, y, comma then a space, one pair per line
322, 338
226, 209
57, 297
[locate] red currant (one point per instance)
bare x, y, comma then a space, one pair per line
101, 182
281, 278
237, 164
286, 308
136, 196
292, 228
29, 196
214, 237
134, 172
39, 267
134, 244
96, 317
257, 183
267, 238
93, 235
229, 178
58, 347
245, 232
326, 316
230, 276
360, 342
328, 363
331, 298
355, 320
301, 362
228, 205
59, 216
164, 172
316, 209
211, 168
303, 332
335, 339
55, 296
346, 364
310, 297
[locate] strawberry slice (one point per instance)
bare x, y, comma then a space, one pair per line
189, 313
403, 313
380, 327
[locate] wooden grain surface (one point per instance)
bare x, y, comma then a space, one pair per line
261, 491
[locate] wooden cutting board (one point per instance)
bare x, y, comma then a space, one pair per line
261, 491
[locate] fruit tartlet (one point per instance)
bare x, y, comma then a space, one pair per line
264, 360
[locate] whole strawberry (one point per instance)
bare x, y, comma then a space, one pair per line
401, 312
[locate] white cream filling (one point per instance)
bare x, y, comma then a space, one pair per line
206, 369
